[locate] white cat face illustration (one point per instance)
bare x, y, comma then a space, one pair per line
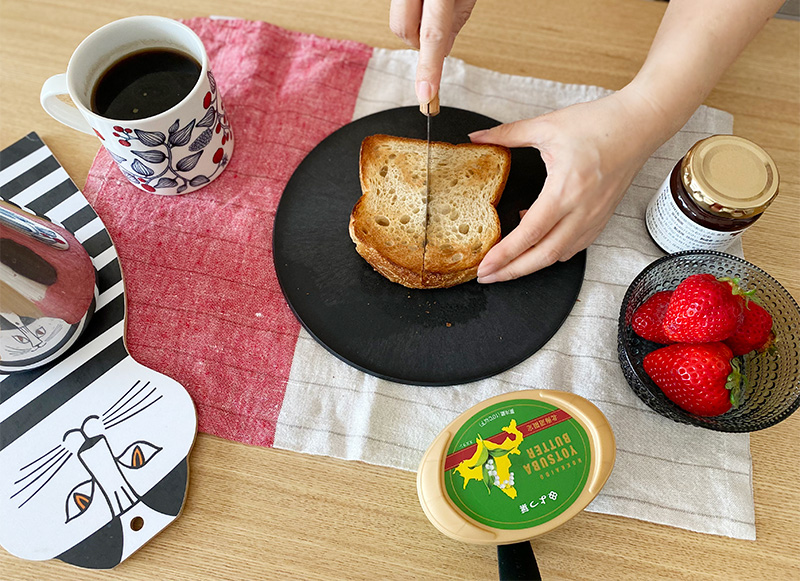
113, 481
21, 338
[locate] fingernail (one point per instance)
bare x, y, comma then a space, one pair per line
488, 279
485, 269
424, 92
477, 134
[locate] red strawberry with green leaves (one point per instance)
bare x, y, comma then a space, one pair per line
701, 378
702, 309
755, 331
648, 320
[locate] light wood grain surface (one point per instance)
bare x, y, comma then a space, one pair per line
257, 513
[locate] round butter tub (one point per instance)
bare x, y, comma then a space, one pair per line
516, 466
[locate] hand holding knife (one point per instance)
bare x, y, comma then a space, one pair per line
430, 26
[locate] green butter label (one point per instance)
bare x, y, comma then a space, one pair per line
517, 464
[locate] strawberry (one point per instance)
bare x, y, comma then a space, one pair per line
702, 309
755, 331
701, 378
648, 320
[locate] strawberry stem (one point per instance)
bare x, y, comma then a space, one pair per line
736, 289
736, 382
769, 347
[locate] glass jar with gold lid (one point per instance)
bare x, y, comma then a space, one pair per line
721, 187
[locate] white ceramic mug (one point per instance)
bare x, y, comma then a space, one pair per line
174, 152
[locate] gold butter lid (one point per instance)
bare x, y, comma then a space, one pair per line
516, 466
730, 176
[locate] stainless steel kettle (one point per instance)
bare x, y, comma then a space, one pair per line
48, 290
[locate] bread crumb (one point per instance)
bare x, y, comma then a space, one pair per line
449, 324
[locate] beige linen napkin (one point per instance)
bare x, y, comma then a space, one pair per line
665, 472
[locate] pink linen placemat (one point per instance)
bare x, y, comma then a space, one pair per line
203, 300
204, 306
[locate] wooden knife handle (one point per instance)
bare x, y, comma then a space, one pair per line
431, 108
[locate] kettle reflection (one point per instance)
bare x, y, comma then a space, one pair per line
48, 290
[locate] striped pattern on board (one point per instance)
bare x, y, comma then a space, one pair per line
32, 178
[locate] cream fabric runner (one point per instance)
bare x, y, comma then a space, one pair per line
665, 472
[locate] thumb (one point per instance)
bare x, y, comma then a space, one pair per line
522, 133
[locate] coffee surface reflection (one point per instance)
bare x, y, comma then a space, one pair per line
145, 83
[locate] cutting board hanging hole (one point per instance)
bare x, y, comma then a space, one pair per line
137, 523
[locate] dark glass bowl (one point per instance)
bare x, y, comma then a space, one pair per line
773, 390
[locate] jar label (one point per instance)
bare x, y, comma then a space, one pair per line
517, 464
674, 231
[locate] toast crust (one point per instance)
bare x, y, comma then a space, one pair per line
388, 223
395, 272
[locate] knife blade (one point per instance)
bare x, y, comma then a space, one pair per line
429, 109
427, 172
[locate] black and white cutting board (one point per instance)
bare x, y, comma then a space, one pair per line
94, 446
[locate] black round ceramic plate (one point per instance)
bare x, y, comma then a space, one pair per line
422, 337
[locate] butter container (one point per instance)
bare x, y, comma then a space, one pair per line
516, 466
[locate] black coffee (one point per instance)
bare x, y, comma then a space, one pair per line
144, 83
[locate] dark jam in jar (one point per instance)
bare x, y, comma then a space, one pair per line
719, 189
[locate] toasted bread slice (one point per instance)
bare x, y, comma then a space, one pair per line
393, 219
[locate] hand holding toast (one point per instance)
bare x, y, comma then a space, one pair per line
592, 152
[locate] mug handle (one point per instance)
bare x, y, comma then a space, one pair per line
58, 109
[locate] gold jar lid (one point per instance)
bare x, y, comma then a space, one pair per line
730, 176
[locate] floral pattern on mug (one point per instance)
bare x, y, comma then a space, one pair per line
172, 152
171, 162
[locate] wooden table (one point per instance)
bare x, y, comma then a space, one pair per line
241, 519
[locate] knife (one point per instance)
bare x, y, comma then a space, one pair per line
430, 109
